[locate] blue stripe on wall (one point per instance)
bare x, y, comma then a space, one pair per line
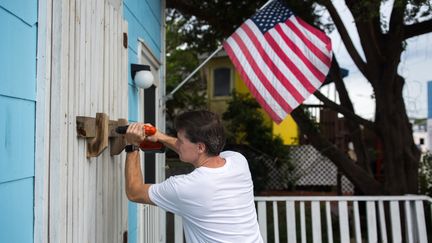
133, 98
18, 57
25, 10
132, 222
155, 6
132, 58
16, 211
17, 134
133, 91
144, 21
17, 118
429, 95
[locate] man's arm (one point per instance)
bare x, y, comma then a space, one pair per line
136, 190
167, 140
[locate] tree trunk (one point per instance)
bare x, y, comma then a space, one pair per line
360, 177
356, 133
400, 154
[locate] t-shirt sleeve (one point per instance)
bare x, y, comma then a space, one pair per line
165, 196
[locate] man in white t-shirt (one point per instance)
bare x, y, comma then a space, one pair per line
215, 200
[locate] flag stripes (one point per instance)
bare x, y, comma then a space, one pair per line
271, 87
283, 65
255, 86
272, 60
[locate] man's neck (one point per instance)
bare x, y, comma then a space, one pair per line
211, 162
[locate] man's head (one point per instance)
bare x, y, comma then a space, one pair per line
202, 127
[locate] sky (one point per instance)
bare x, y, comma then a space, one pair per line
415, 66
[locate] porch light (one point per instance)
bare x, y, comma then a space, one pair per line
142, 75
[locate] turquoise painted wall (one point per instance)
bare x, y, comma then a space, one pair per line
144, 22
429, 95
18, 23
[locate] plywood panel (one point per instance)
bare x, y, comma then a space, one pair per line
41, 202
91, 78
59, 120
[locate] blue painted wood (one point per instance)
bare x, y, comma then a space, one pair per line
18, 57
143, 8
132, 222
17, 136
156, 6
429, 88
142, 23
133, 101
133, 91
132, 58
26, 10
16, 211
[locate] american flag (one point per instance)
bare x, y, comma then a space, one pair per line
281, 58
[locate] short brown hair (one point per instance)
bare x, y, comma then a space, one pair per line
204, 127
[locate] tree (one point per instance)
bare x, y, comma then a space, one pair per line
247, 128
383, 41
181, 60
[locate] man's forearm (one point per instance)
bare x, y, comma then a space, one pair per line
133, 174
168, 141
136, 190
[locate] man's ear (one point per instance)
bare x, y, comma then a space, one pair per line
201, 147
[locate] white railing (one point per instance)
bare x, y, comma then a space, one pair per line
398, 218
354, 218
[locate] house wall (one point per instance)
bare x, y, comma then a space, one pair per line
79, 198
60, 60
219, 104
429, 116
287, 129
145, 46
18, 22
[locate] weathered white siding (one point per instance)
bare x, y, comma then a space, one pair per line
88, 65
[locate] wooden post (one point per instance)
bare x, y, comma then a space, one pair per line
99, 143
97, 131
117, 141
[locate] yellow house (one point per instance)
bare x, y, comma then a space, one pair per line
222, 79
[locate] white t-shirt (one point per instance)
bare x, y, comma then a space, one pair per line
216, 204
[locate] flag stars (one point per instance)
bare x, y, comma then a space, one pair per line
271, 15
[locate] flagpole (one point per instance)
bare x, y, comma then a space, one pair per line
171, 94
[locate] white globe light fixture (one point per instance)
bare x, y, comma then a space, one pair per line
142, 75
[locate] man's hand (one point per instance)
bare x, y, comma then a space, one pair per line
135, 133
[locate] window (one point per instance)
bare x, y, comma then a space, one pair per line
221, 82
421, 141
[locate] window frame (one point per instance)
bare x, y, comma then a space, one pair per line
231, 83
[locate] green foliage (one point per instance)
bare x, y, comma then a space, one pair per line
204, 24
208, 22
181, 60
425, 175
246, 125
